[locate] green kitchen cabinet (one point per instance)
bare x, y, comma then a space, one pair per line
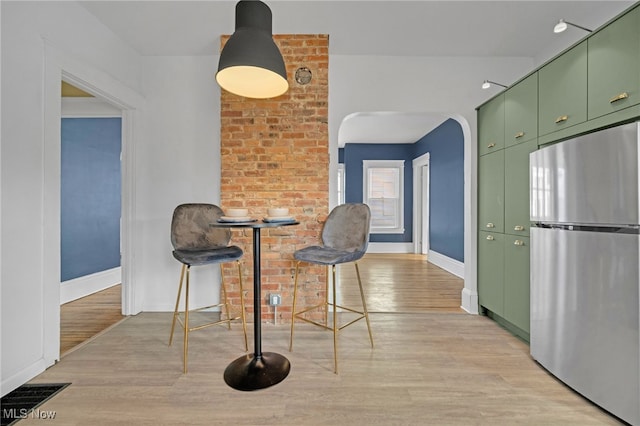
516, 188
594, 84
614, 66
491, 271
491, 126
491, 192
521, 111
516, 281
562, 91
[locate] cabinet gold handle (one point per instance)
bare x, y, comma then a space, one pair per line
490, 225
519, 135
518, 243
621, 96
491, 145
518, 228
562, 118
490, 237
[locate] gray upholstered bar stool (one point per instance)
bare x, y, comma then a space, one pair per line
196, 243
345, 236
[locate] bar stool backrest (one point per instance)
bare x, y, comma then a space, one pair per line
190, 228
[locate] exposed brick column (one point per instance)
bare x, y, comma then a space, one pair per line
274, 153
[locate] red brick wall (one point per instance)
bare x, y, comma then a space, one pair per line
274, 153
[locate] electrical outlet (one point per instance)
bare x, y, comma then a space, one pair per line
275, 299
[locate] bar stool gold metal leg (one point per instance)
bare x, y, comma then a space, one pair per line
293, 307
225, 299
326, 297
186, 321
364, 304
335, 322
242, 312
175, 311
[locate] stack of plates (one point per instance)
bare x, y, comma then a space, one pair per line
236, 219
279, 219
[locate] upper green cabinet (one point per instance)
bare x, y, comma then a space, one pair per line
491, 126
563, 91
614, 66
521, 111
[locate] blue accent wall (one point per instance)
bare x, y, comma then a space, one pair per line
445, 146
90, 196
354, 154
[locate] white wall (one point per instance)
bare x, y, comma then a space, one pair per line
178, 162
417, 84
24, 285
449, 85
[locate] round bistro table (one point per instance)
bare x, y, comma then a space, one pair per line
258, 370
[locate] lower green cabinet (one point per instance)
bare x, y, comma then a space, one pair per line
503, 278
516, 281
490, 271
503, 251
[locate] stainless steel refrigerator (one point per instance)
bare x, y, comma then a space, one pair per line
584, 266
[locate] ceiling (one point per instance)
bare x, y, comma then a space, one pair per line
408, 28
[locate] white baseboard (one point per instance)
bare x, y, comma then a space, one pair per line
448, 264
22, 376
83, 286
390, 248
469, 301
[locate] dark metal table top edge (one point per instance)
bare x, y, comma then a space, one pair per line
254, 224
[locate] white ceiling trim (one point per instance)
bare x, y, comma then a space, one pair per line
387, 127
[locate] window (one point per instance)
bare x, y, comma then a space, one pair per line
383, 189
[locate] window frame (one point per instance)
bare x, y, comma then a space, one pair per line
368, 165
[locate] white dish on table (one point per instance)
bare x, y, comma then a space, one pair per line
274, 212
236, 212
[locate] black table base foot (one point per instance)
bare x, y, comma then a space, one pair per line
249, 372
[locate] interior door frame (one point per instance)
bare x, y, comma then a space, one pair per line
421, 196
59, 66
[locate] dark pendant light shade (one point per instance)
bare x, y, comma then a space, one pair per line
250, 63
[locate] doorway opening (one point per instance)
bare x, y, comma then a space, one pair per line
91, 276
60, 66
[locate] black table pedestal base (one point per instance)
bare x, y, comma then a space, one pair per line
251, 372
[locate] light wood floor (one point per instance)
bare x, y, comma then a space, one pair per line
426, 369
392, 283
86, 317
429, 367
400, 283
